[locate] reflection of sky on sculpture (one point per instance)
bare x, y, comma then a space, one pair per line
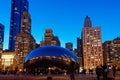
52, 51
66, 18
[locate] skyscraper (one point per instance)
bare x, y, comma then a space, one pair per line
1, 36
24, 40
17, 8
92, 45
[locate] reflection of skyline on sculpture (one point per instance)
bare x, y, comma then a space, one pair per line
62, 15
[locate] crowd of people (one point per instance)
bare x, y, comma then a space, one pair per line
105, 71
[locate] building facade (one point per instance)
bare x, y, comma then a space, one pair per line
1, 36
50, 39
57, 40
17, 8
8, 62
69, 46
111, 51
24, 41
92, 45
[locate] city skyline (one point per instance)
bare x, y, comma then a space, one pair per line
67, 16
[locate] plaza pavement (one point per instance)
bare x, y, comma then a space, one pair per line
54, 77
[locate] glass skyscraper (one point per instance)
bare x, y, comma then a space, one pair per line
1, 36
17, 8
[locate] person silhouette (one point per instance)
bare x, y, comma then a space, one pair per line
98, 72
114, 70
105, 72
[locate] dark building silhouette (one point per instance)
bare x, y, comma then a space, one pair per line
17, 8
80, 53
1, 36
79, 47
69, 46
24, 41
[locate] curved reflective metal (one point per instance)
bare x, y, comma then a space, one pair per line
51, 56
52, 51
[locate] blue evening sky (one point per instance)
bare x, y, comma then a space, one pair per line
66, 18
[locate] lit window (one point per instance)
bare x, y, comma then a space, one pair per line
15, 8
25, 20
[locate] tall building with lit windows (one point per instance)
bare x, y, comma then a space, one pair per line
25, 42
111, 51
17, 8
92, 45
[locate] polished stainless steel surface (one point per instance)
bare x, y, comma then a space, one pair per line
51, 56
56, 51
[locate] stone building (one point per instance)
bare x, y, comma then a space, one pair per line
24, 41
50, 39
7, 61
111, 51
92, 45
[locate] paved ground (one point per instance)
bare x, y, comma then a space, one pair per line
55, 77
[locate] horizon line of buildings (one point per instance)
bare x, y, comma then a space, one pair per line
90, 50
